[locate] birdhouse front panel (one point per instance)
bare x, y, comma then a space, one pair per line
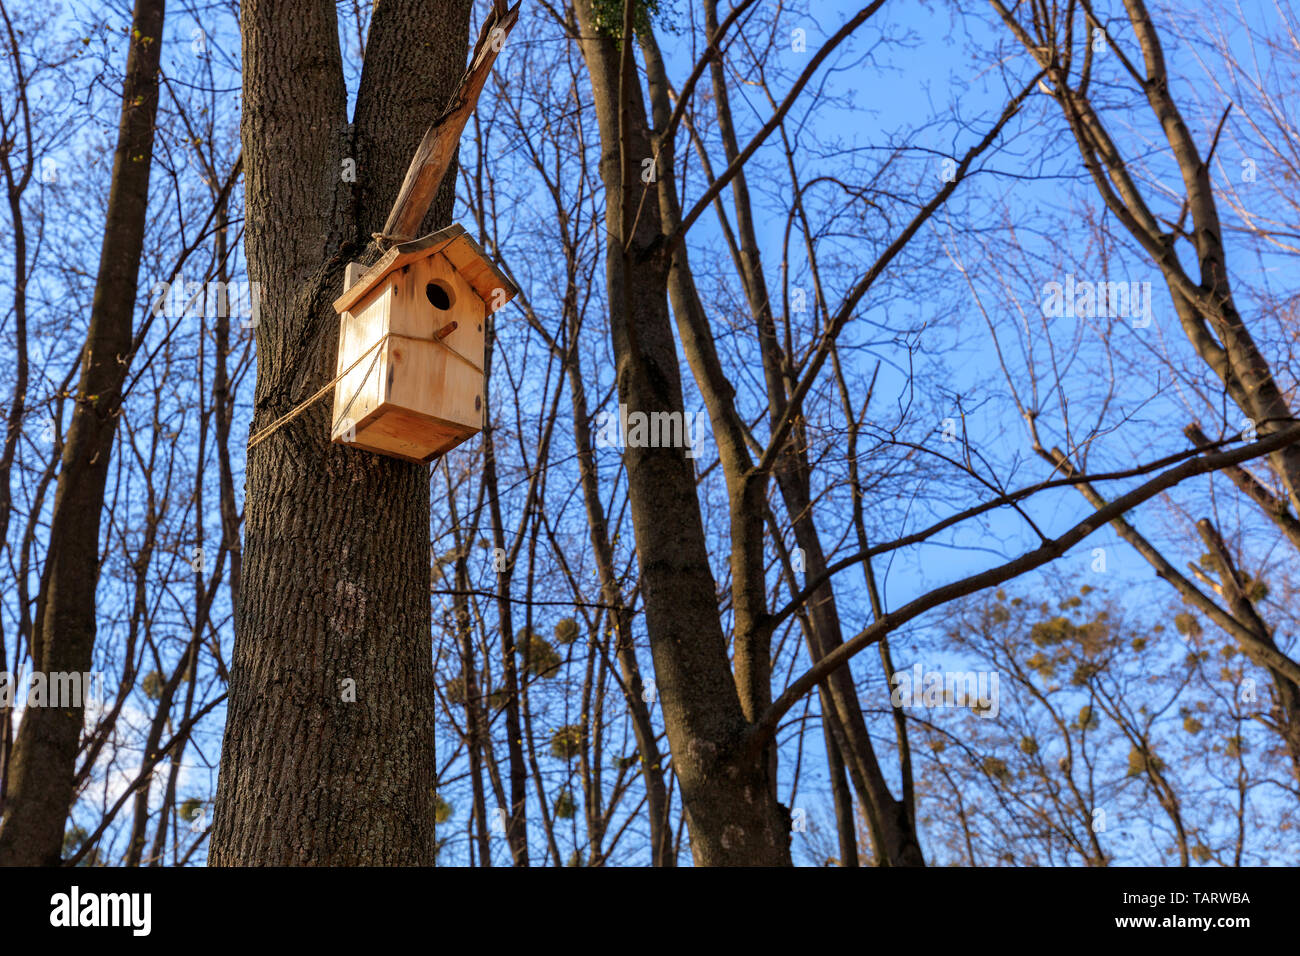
443, 378
416, 322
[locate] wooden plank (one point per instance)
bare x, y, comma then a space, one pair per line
357, 332
353, 272
429, 165
404, 434
481, 272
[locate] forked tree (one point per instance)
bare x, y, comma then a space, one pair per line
328, 756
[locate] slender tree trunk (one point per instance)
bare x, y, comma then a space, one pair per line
41, 791
652, 769
727, 791
474, 711
897, 842
517, 822
845, 824
223, 410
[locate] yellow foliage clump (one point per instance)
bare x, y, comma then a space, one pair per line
1087, 718
1139, 761
566, 631
153, 685
542, 659
441, 809
566, 743
1041, 663
996, 768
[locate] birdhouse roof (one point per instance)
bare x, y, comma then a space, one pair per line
465, 255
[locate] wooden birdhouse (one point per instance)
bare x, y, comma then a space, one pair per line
411, 333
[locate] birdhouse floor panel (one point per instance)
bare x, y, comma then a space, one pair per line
402, 433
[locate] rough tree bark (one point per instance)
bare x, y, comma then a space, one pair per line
335, 576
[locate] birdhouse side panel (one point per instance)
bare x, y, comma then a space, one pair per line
361, 391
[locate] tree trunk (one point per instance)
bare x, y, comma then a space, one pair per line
328, 757
652, 769
41, 786
727, 791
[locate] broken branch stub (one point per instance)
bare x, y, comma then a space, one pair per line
433, 157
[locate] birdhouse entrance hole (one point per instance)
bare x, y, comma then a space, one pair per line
438, 295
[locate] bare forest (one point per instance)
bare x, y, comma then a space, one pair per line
875, 435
